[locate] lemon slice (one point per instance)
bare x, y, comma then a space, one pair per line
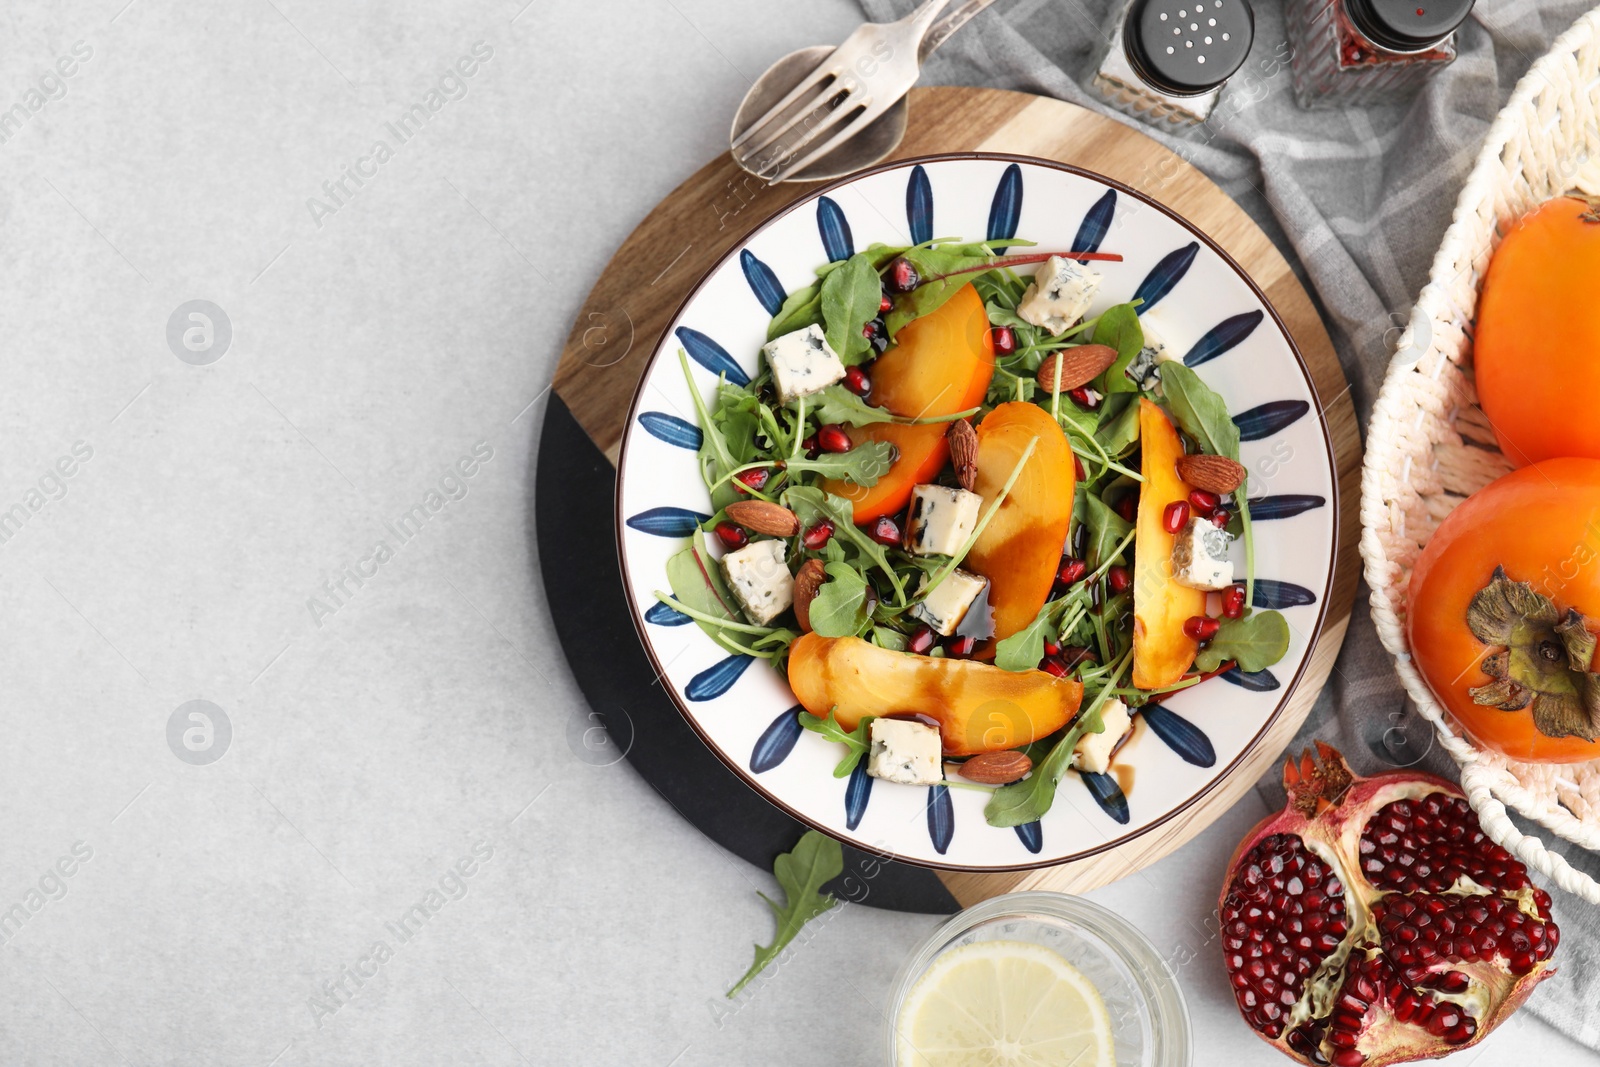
1003, 1004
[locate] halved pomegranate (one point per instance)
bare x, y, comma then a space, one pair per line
1373, 922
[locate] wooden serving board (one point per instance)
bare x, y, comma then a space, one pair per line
628, 312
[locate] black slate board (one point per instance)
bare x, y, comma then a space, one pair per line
574, 519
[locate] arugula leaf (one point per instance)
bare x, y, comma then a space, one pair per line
696, 581
884, 637
1004, 316
1198, 410
1118, 327
838, 404
802, 308
801, 875
738, 418
1106, 529
855, 740
863, 464
1254, 641
1028, 800
840, 606
935, 290
1023, 650
714, 458
850, 298
810, 503
1118, 432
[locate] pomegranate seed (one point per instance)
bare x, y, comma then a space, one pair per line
885, 531
832, 438
1077, 469
730, 535
902, 276
1072, 571
1233, 602
1005, 340
1085, 397
1052, 649
885, 305
1118, 578
856, 380
961, 647
1051, 665
818, 535
1175, 515
1201, 627
1203, 502
922, 640
753, 479
1128, 507
1220, 518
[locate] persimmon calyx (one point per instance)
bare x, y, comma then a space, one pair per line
1540, 658
1592, 202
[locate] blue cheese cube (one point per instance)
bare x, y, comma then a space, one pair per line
1200, 556
1061, 291
1093, 751
941, 519
760, 580
947, 605
905, 751
802, 363
1144, 369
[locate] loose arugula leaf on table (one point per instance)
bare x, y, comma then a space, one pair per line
863, 464
1118, 326
1254, 642
840, 607
850, 298
801, 875
854, 740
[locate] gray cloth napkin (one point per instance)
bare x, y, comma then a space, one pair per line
1358, 200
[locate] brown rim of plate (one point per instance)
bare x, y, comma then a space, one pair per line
744, 772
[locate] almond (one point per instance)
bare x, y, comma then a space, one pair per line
964, 452
764, 517
996, 768
806, 584
1214, 474
1078, 366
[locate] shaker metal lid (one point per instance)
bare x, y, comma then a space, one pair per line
1408, 25
1187, 47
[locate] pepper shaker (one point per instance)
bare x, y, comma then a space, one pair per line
1348, 52
1168, 59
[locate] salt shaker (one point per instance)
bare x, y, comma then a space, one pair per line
1168, 59
1348, 52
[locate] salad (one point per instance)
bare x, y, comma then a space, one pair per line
977, 528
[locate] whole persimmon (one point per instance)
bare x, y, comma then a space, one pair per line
1501, 609
1536, 349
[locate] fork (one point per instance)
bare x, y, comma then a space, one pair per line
853, 86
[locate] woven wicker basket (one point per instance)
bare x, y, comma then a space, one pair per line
1429, 445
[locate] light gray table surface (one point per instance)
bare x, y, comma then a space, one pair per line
182, 532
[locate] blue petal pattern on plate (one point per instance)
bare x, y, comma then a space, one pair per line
1223, 336
941, 817
1096, 223
1254, 681
1271, 593
714, 681
776, 741
665, 615
762, 281
710, 355
1284, 506
1164, 275
667, 521
1182, 736
1107, 793
1006, 210
1268, 419
856, 795
672, 430
1031, 835
835, 230
919, 206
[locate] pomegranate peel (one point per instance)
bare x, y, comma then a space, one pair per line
1373, 922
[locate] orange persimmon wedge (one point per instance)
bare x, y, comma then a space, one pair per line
979, 707
1020, 550
1162, 652
940, 364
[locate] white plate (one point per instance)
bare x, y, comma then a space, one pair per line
1196, 299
